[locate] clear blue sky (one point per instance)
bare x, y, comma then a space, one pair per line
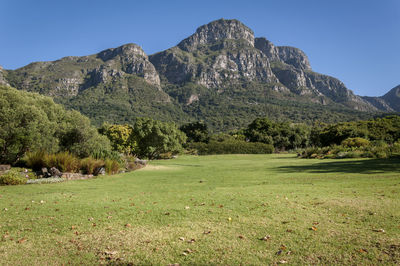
357, 41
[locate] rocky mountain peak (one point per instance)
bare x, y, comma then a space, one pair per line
133, 60
130, 49
393, 98
218, 30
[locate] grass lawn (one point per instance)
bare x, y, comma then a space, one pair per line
210, 210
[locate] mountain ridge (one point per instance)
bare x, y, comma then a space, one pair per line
221, 63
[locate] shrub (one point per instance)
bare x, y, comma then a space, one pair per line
232, 147
64, 161
105, 154
36, 160
111, 166
12, 178
89, 165
355, 142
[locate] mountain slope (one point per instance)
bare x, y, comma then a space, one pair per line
114, 85
390, 102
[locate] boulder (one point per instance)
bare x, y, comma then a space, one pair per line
141, 162
55, 172
99, 171
44, 172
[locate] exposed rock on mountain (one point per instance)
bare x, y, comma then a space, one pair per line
216, 31
285, 54
132, 60
393, 98
390, 102
2, 79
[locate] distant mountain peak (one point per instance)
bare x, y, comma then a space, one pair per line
123, 50
218, 30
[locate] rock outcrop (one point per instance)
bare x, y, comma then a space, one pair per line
2, 79
132, 60
285, 54
216, 31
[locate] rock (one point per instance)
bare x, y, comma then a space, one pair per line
133, 60
99, 171
55, 172
285, 54
44, 172
3, 81
141, 162
5, 167
215, 31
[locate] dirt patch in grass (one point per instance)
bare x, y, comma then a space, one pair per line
157, 167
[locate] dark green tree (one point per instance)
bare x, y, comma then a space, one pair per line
196, 132
154, 138
31, 122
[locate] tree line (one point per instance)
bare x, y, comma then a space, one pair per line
30, 122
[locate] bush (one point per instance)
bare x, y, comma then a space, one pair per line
89, 165
153, 138
232, 147
64, 161
36, 160
12, 178
355, 142
111, 166
30, 122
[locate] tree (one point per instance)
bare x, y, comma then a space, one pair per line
283, 135
120, 137
31, 122
196, 132
154, 138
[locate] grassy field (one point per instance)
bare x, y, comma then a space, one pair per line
234, 209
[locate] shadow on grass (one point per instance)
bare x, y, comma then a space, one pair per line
366, 166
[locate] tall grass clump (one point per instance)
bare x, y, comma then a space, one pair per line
63, 161
89, 165
111, 166
35, 160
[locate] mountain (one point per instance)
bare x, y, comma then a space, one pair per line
222, 74
390, 102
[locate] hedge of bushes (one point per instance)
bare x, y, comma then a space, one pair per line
231, 147
354, 148
66, 162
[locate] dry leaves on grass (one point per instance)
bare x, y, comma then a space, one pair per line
265, 238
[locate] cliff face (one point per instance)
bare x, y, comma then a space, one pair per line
216, 31
218, 55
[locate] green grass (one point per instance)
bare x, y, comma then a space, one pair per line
225, 203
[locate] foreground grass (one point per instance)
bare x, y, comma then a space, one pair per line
210, 210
